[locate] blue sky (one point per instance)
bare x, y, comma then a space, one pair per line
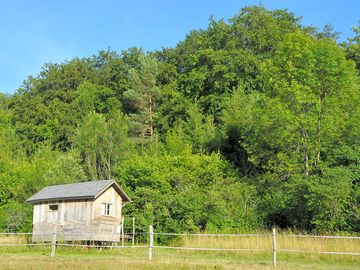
34, 32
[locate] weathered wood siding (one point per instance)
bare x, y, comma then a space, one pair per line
67, 211
107, 227
112, 197
79, 220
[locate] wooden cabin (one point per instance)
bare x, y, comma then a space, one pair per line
86, 211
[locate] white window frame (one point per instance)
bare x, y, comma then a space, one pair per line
106, 209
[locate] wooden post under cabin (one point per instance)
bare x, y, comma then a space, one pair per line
133, 231
122, 231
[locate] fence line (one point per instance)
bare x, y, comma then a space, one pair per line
20, 233
321, 236
212, 235
207, 235
211, 249
99, 246
151, 247
245, 249
65, 234
320, 252
187, 248
24, 245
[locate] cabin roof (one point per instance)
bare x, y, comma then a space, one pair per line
77, 191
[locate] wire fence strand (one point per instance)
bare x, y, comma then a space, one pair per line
25, 245
210, 249
320, 236
99, 246
213, 235
319, 252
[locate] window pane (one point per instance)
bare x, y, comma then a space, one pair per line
103, 208
106, 209
53, 207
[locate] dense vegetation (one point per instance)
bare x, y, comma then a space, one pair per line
249, 123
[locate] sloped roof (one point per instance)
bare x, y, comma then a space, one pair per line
77, 191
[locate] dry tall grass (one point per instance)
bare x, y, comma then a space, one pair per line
90, 258
14, 239
309, 244
65, 263
264, 242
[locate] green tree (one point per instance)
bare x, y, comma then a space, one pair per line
42, 106
184, 191
95, 98
353, 47
140, 98
101, 142
314, 82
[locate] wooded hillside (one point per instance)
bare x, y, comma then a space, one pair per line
250, 123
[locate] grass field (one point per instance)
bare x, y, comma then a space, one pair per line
85, 258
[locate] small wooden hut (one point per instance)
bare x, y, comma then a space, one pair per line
86, 211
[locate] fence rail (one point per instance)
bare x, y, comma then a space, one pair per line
151, 246
322, 236
213, 235
99, 246
24, 245
210, 249
320, 252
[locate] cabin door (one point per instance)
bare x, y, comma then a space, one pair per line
52, 217
53, 213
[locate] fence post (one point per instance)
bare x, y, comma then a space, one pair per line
151, 242
133, 232
274, 246
53, 245
122, 231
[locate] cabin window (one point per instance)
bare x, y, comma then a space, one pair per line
53, 207
106, 209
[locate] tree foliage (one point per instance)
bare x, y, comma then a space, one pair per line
248, 123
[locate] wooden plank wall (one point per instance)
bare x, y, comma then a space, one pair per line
79, 220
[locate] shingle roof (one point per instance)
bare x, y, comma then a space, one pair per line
83, 190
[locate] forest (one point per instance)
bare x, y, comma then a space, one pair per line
250, 123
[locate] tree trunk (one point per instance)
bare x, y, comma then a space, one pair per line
321, 100
305, 137
109, 166
150, 115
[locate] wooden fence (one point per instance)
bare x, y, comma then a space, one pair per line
151, 246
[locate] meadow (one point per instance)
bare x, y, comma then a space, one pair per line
38, 257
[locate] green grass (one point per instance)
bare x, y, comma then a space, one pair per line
22, 258
82, 258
